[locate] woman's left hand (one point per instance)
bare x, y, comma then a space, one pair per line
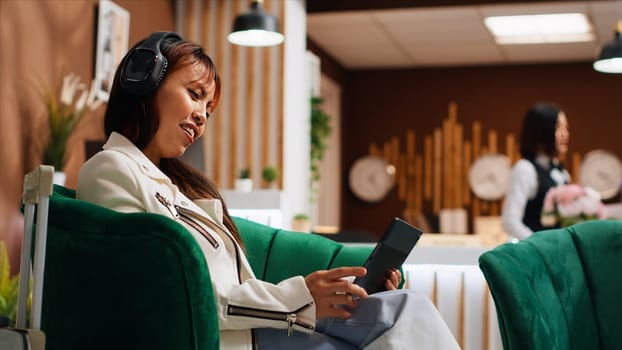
393, 280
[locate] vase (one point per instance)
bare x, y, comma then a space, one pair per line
59, 178
301, 225
244, 185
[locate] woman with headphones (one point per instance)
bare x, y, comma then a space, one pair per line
164, 91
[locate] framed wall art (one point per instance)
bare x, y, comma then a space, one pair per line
113, 30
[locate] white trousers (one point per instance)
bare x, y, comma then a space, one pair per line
400, 319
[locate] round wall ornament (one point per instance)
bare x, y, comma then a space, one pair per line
371, 178
602, 171
489, 176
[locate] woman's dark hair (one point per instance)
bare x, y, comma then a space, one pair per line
538, 132
137, 119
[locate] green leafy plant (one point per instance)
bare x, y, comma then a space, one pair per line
270, 174
64, 113
301, 223
8, 286
244, 173
320, 131
301, 216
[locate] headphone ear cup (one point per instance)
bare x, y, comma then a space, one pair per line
145, 66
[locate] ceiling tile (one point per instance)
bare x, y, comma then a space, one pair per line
372, 56
551, 53
415, 37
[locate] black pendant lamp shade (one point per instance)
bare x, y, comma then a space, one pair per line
610, 60
256, 28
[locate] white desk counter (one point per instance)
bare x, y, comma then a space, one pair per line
447, 249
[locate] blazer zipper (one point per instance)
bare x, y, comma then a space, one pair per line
216, 227
290, 317
189, 216
183, 216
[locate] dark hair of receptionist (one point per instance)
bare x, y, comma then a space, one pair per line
137, 119
538, 131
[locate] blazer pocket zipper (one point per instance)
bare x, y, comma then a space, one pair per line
290, 317
181, 215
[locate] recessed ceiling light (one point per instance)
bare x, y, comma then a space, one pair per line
539, 29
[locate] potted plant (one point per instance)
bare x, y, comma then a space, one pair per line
269, 174
320, 131
301, 223
8, 289
244, 183
64, 113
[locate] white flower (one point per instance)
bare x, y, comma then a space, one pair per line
71, 84
64, 113
92, 102
591, 202
571, 209
81, 101
592, 193
569, 204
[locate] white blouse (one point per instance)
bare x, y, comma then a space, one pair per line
522, 187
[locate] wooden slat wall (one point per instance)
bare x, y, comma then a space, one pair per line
246, 131
438, 175
234, 141
281, 91
265, 96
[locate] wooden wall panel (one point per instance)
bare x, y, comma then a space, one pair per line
61, 35
452, 162
246, 129
489, 98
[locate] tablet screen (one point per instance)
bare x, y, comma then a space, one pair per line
390, 252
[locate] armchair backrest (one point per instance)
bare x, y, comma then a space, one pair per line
559, 289
123, 281
276, 254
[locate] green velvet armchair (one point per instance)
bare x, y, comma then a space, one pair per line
139, 281
559, 289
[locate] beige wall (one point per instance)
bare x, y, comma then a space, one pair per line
42, 40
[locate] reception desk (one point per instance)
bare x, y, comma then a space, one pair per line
447, 249
445, 268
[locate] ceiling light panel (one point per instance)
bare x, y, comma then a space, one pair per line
536, 29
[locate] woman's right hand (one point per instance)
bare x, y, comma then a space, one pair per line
329, 289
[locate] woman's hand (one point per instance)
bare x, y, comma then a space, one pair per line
329, 289
393, 280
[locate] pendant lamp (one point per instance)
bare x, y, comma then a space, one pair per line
610, 60
256, 28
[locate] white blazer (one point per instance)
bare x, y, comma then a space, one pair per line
122, 178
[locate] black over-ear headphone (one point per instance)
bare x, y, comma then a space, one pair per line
144, 67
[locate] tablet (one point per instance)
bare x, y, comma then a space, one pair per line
390, 252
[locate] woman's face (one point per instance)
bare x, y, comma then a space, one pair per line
562, 134
183, 104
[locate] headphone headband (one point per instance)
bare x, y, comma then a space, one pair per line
145, 66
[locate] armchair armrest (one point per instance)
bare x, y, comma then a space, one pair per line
279, 254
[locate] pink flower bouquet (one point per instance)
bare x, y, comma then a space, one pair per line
570, 204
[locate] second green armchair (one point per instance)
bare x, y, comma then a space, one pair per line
559, 289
